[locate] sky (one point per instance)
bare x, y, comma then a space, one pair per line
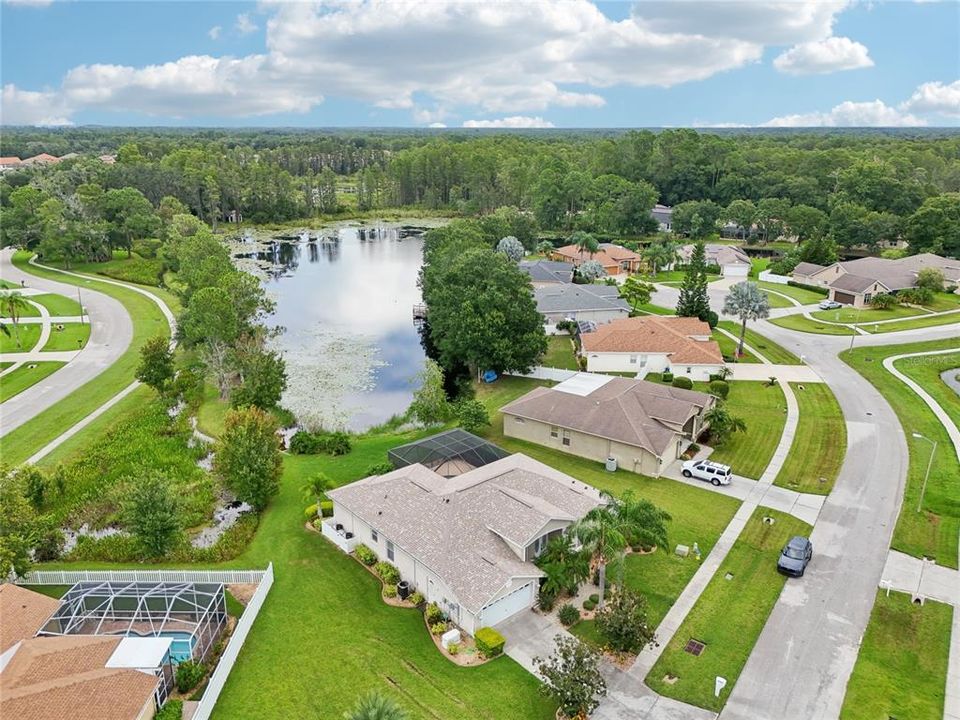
481, 63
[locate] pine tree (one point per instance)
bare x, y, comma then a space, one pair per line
693, 291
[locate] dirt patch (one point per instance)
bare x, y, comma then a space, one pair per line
243, 592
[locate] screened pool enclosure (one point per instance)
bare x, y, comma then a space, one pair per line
192, 614
449, 454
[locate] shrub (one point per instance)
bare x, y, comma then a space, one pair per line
326, 508
567, 326
595, 598
916, 296
380, 468
711, 318
438, 628
623, 622
388, 573
308, 443
365, 555
683, 383
589, 605
489, 642
338, 443
667, 377
546, 600
171, 710
568, 614
883, 301
453, 648
390, 591
189, 674
416, 598
311, 511
720, 388
812, 288
433, 614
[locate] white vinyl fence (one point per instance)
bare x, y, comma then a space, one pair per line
767, 276
219, 677
69, 577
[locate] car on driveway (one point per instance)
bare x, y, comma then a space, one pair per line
795, 556
829, 305
712, 472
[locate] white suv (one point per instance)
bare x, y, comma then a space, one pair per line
705, 470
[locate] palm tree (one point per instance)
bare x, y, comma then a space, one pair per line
565, 566
661, 253
748, 302
607, 530
13, 304
316, 488
722, 424
376, 706
585, 242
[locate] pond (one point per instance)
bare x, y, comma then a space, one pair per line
345, 297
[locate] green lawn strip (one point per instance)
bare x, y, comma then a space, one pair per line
933, 531
587, 631
763, 408
776, 300
29, 311
901, 670
18, 380
559, 353
729, 615
728, 348
148, 322
651, 309
926, 371
942, 302
58, 305
914, 323
134, 269
28, 335
74, 336
848, 314
820, 442
766, 347
804, 297
5, 365
802, 324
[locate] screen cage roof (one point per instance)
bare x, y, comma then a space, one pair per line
450, 453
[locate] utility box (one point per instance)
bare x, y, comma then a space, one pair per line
450, 637
682, 550
611, 464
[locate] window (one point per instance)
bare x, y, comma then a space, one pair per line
633, 359
389, 550
867, 296
689, 369
539, 545
566, 438
518, 420
554, 431
374, 536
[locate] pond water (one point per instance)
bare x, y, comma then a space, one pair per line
345, 298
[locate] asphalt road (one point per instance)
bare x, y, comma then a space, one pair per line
110, 334
800, 666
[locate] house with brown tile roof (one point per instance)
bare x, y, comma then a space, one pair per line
41, 159
22, 613
653, 343
615, 259
9, 163
641, 425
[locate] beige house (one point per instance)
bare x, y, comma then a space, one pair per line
467, 542
615, 259
732, 261
639, 425
652, 343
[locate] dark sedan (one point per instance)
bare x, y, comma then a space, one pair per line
795, 556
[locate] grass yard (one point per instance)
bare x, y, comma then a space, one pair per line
763, 408
729, 615
802, 324
651, 309
28, 335
820, 443
852, 315
768, 348
728, 348
776, 300
901, 670
804, 297
74, 336
926, 371
148, 322
134, 269
24, 376
58, 305
560, 353
914, 323
932, 532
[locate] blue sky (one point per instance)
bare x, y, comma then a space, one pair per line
566, 64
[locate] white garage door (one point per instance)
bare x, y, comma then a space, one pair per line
507, 606
736, 270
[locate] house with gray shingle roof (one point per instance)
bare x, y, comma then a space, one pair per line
547, 272
596, 303
466, 542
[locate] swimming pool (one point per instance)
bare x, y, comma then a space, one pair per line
180, 649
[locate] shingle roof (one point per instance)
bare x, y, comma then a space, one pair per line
22, 613
719, 254
655, 334
806, 268
455, 526
630, 411
66, 678
853, 283
547, 271
578, 298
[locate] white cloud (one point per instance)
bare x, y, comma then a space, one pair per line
214, 32
25, 107
935, 97
823, 56
851, 114
515, 121
437, 125
29, 3
245, 25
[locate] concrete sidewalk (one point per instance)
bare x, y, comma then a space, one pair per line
921, 578
784, 373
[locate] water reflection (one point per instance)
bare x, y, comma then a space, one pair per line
345, 298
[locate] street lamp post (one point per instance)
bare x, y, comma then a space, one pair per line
933, 451
854, 328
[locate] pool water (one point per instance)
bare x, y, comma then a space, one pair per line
180, 649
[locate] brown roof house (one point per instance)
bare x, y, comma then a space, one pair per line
635, 424
466, 542
653, 344
615, 259
855, 282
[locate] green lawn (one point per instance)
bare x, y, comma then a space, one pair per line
914, 323
728, 347
729, 615
901, 670
848, 314
560, 353
58, 305
763, 409
768, 348
24, 376
148, 322
799, 322
777, 300
74, 336
820, 443
134, 269
28, 334
942, 302
932, 532
651, 309
804, 297
25, 312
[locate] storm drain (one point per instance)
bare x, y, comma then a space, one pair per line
695, 647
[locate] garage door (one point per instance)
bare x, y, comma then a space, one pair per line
736, 270
841, 297
507, 606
